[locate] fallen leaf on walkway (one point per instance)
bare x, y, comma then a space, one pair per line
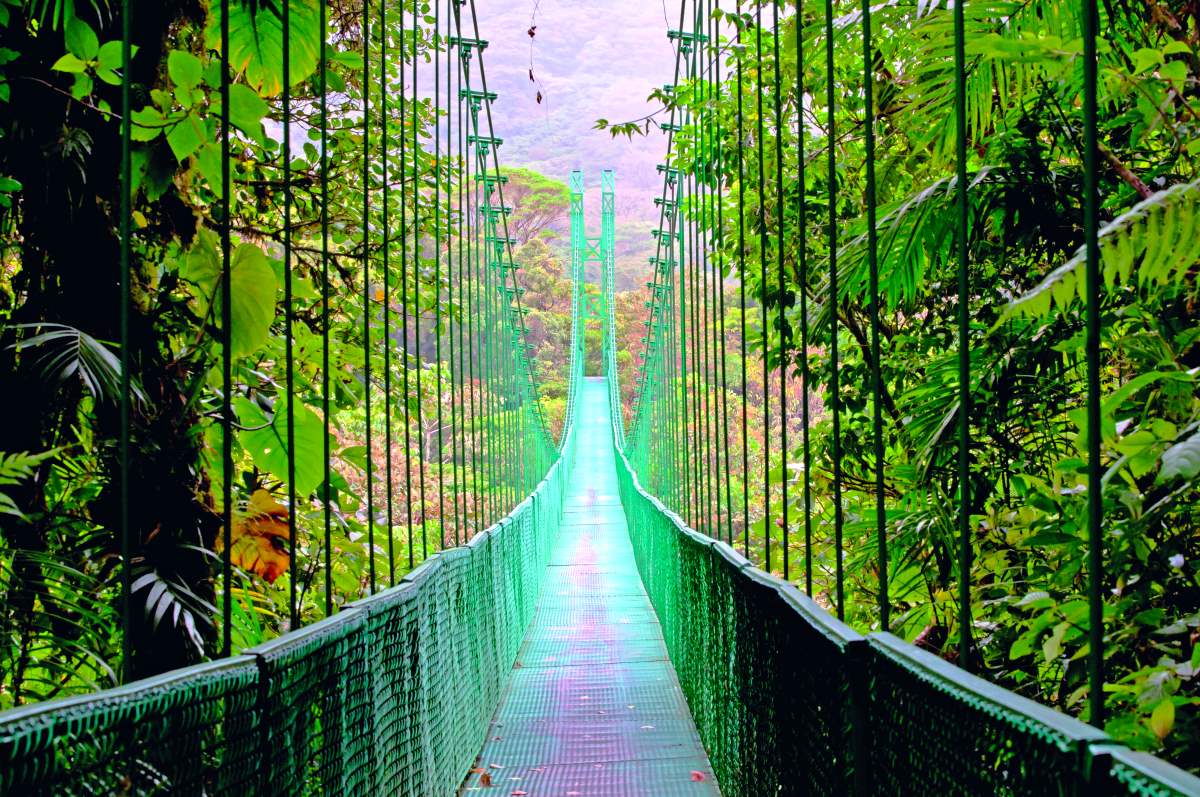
485, 779
698, 776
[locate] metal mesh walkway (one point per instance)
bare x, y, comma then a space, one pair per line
593, 706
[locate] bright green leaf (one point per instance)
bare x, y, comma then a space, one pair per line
252, 288
1163, 719
185, 69
246, 110
69, 63
147, 124
81, 40
253, 292
256, 42
1182, 460
186, 136
110, 55
208, 161
266, 440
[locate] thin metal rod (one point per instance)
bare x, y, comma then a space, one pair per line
288, 314
876, 310
834, 386
366, 288
1091, 213
226, 352
126, 273
964, 353
326, 408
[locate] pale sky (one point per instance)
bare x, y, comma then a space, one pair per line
594, 59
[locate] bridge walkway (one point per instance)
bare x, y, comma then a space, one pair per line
593, 705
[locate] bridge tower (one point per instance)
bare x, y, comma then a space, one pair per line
588, 249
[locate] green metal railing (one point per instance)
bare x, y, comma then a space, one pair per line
391, 694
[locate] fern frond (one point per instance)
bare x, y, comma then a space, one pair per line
1153, 243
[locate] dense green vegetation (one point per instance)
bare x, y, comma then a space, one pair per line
60, 623
1025, 173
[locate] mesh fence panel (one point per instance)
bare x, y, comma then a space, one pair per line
1119, 771
771, 680
938, 729
193, 731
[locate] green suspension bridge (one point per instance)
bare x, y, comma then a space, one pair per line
580, 615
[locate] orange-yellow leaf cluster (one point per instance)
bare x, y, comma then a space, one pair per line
260, 538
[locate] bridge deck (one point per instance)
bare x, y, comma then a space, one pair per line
593, 706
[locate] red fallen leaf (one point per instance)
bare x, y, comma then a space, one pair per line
698, 776
485, 779
519, 793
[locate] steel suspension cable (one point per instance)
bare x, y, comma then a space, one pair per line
1095, 495
226, 351
126, 408
387, 283
417, 310
876, 310
437, 264
288, 313
702, 262
366, 289
404, 310
834, 388
719, 285
760, 147
805, 376
452, 242
741, 148
779, 242
964, 354
327, 498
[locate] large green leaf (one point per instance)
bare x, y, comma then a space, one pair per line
256, 42
252, 288
1182, 460
266, 440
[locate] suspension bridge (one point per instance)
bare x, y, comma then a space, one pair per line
576, 617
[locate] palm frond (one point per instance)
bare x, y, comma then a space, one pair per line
63, 352
914, 235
